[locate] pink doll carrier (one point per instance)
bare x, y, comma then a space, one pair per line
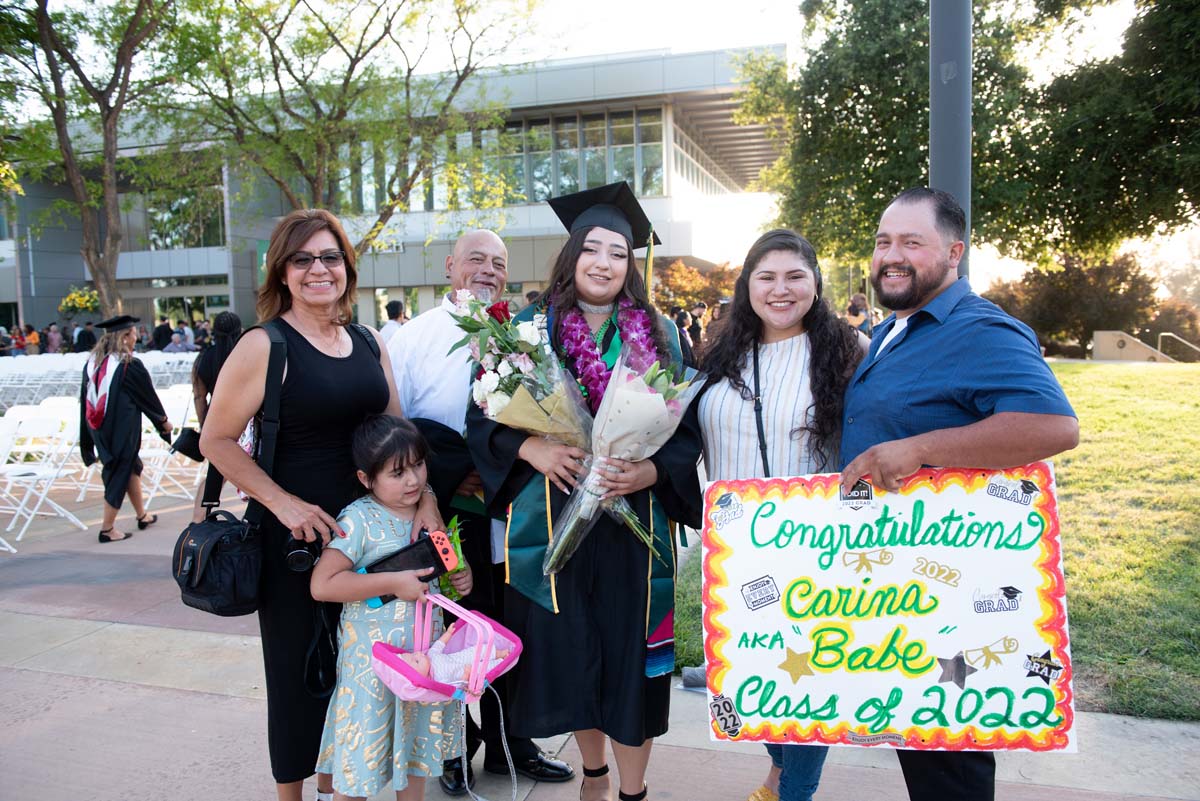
471, 630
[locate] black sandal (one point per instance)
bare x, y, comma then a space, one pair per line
146, 521
636, 796
105, 538
592, 773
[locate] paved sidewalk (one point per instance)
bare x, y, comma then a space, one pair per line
111, 690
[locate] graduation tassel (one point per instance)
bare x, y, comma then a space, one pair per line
649, 269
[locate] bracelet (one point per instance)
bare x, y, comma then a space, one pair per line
429, 490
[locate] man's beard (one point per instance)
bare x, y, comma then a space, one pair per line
918, 291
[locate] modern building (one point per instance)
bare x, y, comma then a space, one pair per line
659, 120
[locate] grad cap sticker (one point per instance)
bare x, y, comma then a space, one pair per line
859, 496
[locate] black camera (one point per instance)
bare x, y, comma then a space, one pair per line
300, 556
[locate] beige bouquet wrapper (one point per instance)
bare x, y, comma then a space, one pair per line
556, 416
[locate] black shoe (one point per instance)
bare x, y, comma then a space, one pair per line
540, 768
451, 779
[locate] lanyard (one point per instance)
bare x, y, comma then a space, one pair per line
762, 434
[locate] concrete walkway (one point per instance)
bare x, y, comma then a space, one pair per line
112, 690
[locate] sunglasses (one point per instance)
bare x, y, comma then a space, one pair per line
304, 260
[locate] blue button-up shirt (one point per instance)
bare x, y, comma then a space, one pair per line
959, 359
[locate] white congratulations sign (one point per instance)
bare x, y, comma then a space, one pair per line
933, 617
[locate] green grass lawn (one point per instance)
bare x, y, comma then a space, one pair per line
1129, 506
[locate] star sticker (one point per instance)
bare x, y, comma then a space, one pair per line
796, 665
1043, 667
956, 670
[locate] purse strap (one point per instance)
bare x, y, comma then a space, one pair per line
762, 433
269, 428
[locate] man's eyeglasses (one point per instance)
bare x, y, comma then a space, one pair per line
303, 260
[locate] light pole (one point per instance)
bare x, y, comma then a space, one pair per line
950, 104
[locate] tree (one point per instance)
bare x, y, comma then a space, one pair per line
1178, 317
854, 123
1122, 137
83, 67
330, 102
1079, 298
679, 285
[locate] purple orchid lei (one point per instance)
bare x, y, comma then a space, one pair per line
578, 344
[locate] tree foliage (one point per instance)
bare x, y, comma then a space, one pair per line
336, 103
83, 67
1109, 151
1079, 298
855, 123
682, 285
1178, 317
1122, 136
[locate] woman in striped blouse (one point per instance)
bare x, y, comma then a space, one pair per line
780, 341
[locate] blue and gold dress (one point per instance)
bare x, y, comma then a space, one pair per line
370, 737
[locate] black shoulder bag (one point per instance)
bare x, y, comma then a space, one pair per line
217, 562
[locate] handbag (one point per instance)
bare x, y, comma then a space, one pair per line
188, 443
217, 562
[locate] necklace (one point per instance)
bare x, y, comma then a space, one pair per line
592, 309
335, 342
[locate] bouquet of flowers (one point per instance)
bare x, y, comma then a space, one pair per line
520, 381
640, 410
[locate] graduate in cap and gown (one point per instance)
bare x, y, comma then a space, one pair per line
116, 392
598, 636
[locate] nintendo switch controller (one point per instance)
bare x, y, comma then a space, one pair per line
445, 550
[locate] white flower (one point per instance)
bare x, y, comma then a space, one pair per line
489, 380
461, 298
478, 393
488, 361
505, 369
528, 333
496, 402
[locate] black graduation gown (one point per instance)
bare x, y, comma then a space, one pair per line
585, 656
119, 438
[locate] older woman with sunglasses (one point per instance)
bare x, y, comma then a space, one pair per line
336, 375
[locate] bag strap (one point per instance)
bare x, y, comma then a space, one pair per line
269, 430
367, 336
270, 413
762, 433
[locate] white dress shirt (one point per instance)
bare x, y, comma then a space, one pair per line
434, 383
431, 382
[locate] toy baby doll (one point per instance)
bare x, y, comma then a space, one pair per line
448, 668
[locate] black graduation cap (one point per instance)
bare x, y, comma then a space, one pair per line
612, 207
1010, 592
119, 323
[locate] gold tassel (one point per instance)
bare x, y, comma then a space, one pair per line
649, 269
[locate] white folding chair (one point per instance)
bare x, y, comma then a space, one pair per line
37, 478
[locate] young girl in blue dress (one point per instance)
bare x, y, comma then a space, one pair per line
370, 737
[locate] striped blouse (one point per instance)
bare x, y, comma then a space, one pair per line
727, 419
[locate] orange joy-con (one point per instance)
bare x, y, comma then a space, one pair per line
445, 550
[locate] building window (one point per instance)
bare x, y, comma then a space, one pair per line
595, 154
566, 154
512, 162
541, 167
650, 153
622, 148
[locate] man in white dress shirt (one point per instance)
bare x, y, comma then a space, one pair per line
436, 385
395, 315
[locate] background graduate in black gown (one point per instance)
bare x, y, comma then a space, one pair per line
115, 393
597, 637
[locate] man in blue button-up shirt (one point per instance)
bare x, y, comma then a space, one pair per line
950, 380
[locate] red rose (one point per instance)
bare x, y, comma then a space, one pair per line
499, 311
